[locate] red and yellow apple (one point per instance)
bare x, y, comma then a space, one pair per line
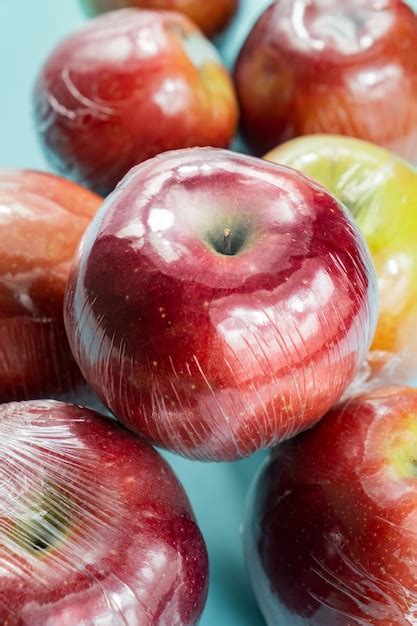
94, 526
42, 218
332, 533
380, 190
129, 85
220, 303
342, 67
210, 16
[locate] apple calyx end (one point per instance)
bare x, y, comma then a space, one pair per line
229, 240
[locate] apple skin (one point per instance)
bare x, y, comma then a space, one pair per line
94, 526
217, 355
380, 190
331, 67
129, 85
331, 536
42, 218
211, 17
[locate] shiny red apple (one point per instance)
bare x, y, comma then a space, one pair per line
42, 218
342, 67
126, 87
210, 16
220, 303
332, 537
94, 526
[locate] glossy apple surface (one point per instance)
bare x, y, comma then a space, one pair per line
220, 303
129, 85
332, 537
380, 190
94, 526
331, 67
211, 16
42, 218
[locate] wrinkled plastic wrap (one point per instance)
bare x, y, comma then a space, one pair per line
211, 16
95, 529
380, 191
339, 66
127, 86
219, 304
42, 218
331, 529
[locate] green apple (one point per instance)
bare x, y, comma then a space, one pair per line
380, 190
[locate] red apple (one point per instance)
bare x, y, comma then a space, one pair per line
211, 16
343, 67
94, 526
332, 538
42, 218
220, 303
126, 87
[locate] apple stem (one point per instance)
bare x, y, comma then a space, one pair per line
227, 241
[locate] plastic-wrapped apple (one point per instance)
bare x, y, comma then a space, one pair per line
380, 190
220, 303
94, 526
210, 16
42, 218
341, 66
129, 85
331, 537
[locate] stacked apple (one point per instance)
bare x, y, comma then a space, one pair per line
94, 526
128, 86
331, 66
332, 535
211, 16
380, 190
42, 218
217, 304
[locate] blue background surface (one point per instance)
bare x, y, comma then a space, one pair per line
28, 31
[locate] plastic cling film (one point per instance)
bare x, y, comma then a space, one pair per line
380, 190
94, 527
129, 85
42, 218
219, 303
211, 17
331, 530
336, 66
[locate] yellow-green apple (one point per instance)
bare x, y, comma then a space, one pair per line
129, 85
42, 218
331, 66
94, 526
331, 536
211, 16
380, 190
220, 303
